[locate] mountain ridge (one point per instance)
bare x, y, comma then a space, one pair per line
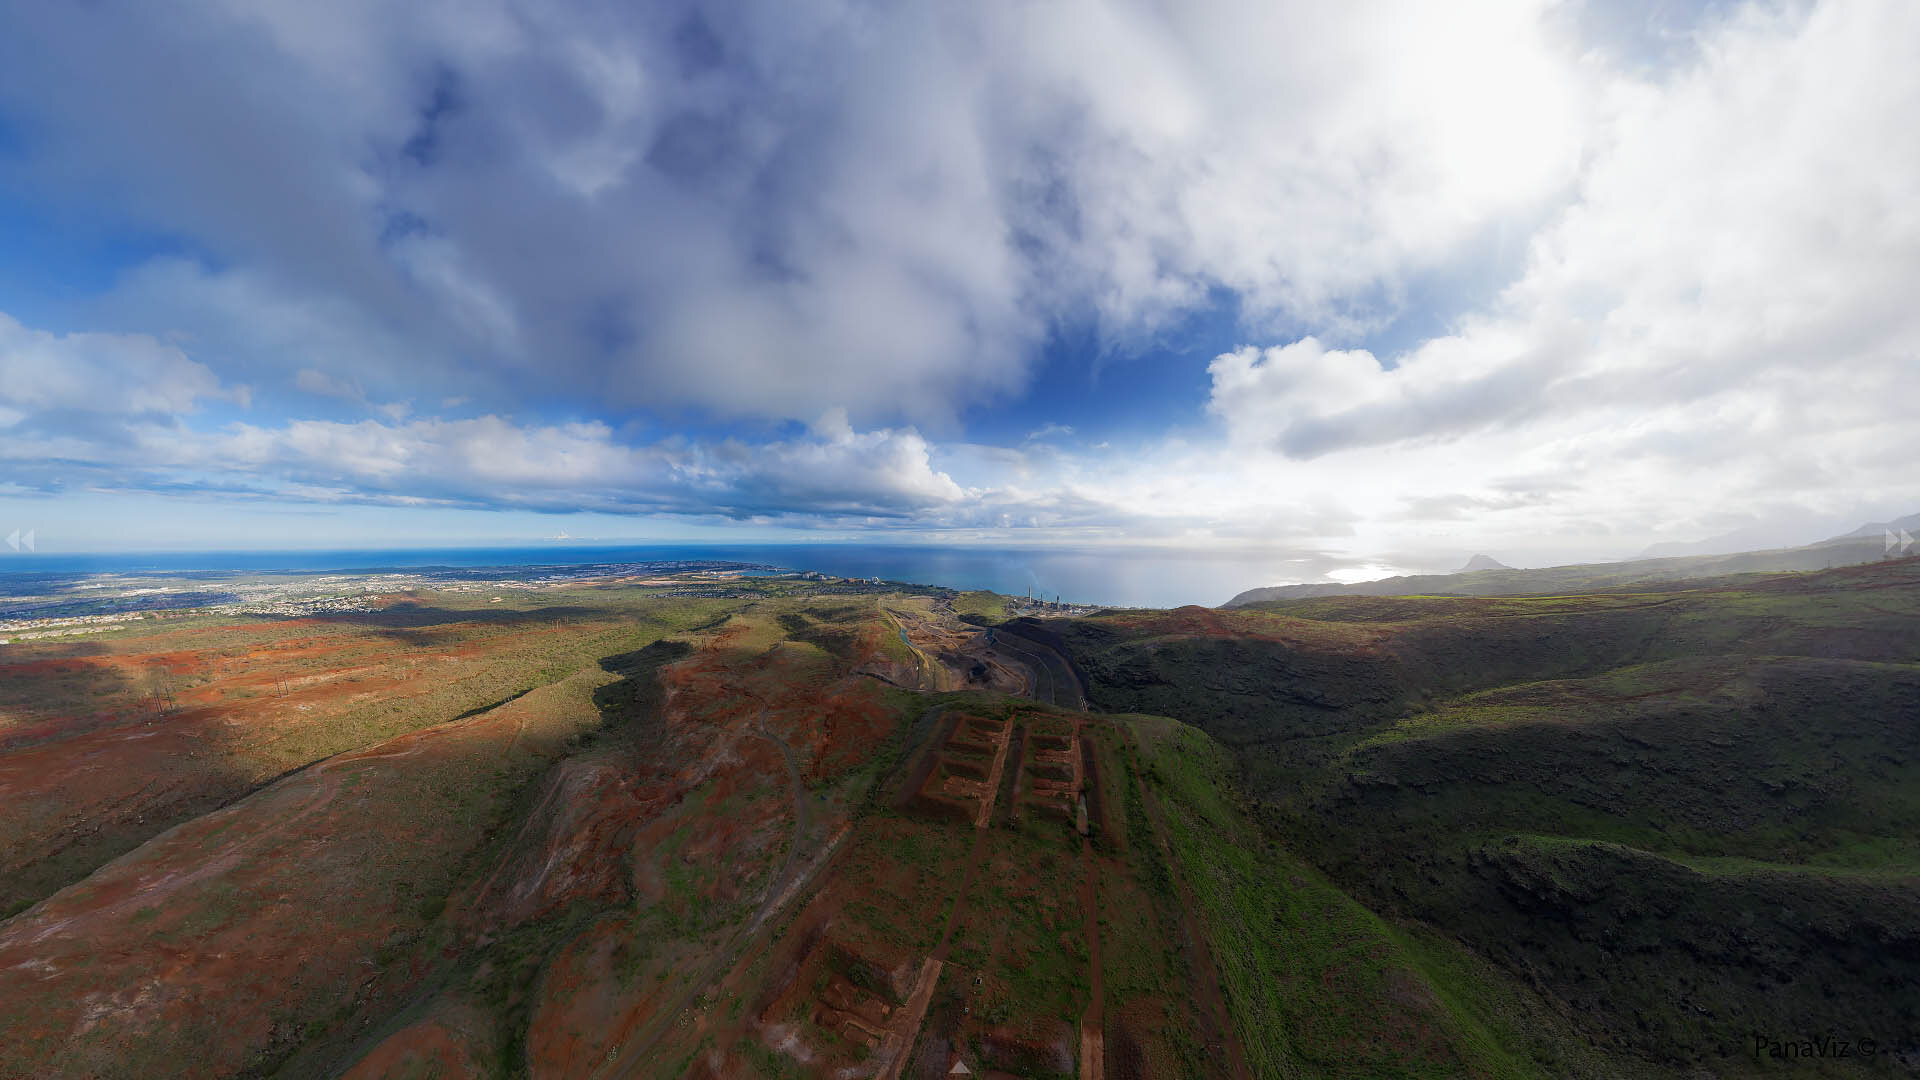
1863, 545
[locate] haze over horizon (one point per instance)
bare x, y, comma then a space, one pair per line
1361, 288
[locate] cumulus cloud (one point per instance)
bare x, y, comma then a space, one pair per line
58, 389
1280, 395
1305, 400
1718, 326
485, 462
119, 374
576, 222
772, 209
489, 461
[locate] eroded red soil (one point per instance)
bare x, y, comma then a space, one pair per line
199, 952
101, 750
688, 890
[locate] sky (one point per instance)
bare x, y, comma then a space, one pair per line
1377, 285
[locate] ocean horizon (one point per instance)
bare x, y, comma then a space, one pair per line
1118, 577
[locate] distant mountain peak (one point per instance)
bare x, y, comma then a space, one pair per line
1483, 562
1875, 528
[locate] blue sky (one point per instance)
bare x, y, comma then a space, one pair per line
1374, 286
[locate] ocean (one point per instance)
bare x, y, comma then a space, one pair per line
1122, 577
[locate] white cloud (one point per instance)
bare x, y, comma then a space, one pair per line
867, 219
822, 206
491, 461
1307, 156
1267, 396
1720, 327
314, 381
486, 461
99, 373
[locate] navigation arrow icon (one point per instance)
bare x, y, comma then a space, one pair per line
27, 540
13, 540
1892, 541
1906, 540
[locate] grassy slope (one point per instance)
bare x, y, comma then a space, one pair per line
1683, 816
985, 604
1319, 985
428, 659
660, 942
1510, 830
1679, 865
383, 880
594, 699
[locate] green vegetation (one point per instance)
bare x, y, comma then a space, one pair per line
1605, 835
331, 685
1649, 822
985, 605
1319, 985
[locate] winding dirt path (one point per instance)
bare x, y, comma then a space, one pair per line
1093, 1040
1046, 656
786, 884
1041, 668
801, 818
